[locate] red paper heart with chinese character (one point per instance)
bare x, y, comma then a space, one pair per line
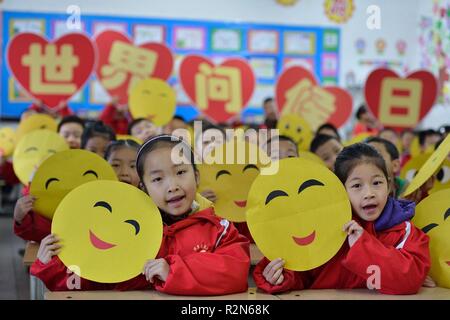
121, 64
51, 71
398, 102
221, 91
298, 90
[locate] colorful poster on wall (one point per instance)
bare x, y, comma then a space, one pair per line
189, 38
330, 40
51, 71
300, 43
298, 92
121, 64
218, 91
264, 68
144, 33
263, 41
398, 102
229, 40
99, 27
17, 26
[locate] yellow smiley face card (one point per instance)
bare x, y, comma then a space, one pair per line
63, 172
296, 128
298, 213
433, 217
229, 171
33, 149
108, 230
153, 99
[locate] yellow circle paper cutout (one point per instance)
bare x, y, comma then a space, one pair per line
311, 156
36, 121
296, 128
7, 141
289, 219
108, 230
430, 167
33, 149
229, 171
153, 99
433, 217
63, 172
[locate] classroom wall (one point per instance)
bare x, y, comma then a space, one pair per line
399, 20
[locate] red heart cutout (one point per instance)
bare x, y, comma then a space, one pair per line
425, 87
220, 92
121, 63
292, 76
51, 84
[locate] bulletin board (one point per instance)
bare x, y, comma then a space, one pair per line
268, 49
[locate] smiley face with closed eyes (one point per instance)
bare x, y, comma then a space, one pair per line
433, 217
33, 149
63, 172
230, 176
108, 229
298, 214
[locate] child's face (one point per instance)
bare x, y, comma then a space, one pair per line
328, 152
71, 132
390, 136
123, 161
386, 156
144, 130
367, 189
97, 145
210, 139
407, 139
286, 149
172, 187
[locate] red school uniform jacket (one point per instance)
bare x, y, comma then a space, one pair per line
206, 255
33, 227
401, 252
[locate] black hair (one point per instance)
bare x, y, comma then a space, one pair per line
424, 134
268, 99
176, 117
135, 122
209, 126
97, 129
70, 119
354, 155
361, 110
283, 138
320, 140
331, 127
389, 146
117, 144
157, 142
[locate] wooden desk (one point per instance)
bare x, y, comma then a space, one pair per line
251, 294
255, 254
31, 251
364, 294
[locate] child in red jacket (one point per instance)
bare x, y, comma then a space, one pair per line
380, 237
200, 254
